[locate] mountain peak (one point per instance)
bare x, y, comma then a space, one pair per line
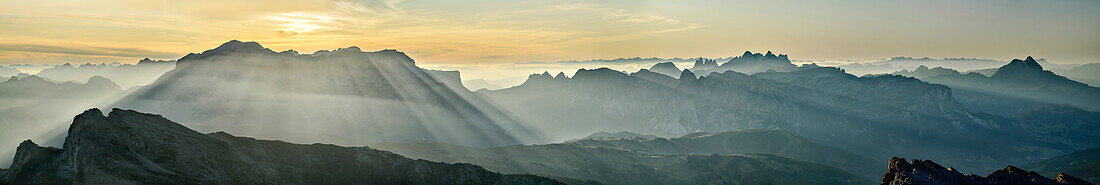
928, 172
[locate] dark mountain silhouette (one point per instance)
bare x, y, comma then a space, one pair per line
921, 172
128, 147
346, 96
751, 157
1084, 164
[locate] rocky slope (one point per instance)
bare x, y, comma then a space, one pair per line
921, 172
719, 158
128, 147
33, 107
346, 96
1084, 164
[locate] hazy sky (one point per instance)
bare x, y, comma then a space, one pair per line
466, 32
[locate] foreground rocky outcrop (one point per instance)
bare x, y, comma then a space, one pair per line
928, 172
128, 147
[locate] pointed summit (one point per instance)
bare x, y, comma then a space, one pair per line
747, 54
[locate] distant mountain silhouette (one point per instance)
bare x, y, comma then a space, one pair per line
128, 147
751, 63
1088, 73
879, 115
126, 75
618, 135
7, 72
345, 96
1018, 86
908, 63
666, 68
921, 172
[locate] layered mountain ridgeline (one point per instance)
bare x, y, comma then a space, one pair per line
720, 158
756, 141
1088, 73
126, 75
903, 63
33, 107
1018, 86
617, 135
748, 63
7, 72
346, 97
128, 147
921, 172
1084, 164
880, 116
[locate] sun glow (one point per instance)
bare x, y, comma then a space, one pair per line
298, 22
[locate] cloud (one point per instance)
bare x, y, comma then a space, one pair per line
85, 50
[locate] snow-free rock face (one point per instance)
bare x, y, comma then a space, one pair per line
751, 63
922, 172
346, 96
128, 147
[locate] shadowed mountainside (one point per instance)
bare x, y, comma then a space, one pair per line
747, 157
921, 172
128, 147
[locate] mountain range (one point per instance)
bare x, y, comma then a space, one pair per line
1016, 87
345, 96
1084, 164
879, 115
744, 157
129, 147
126, 75
33, 107
924, 172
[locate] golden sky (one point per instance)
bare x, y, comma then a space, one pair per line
507, 31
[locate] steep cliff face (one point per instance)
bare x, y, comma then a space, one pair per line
921, 172
129, 147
